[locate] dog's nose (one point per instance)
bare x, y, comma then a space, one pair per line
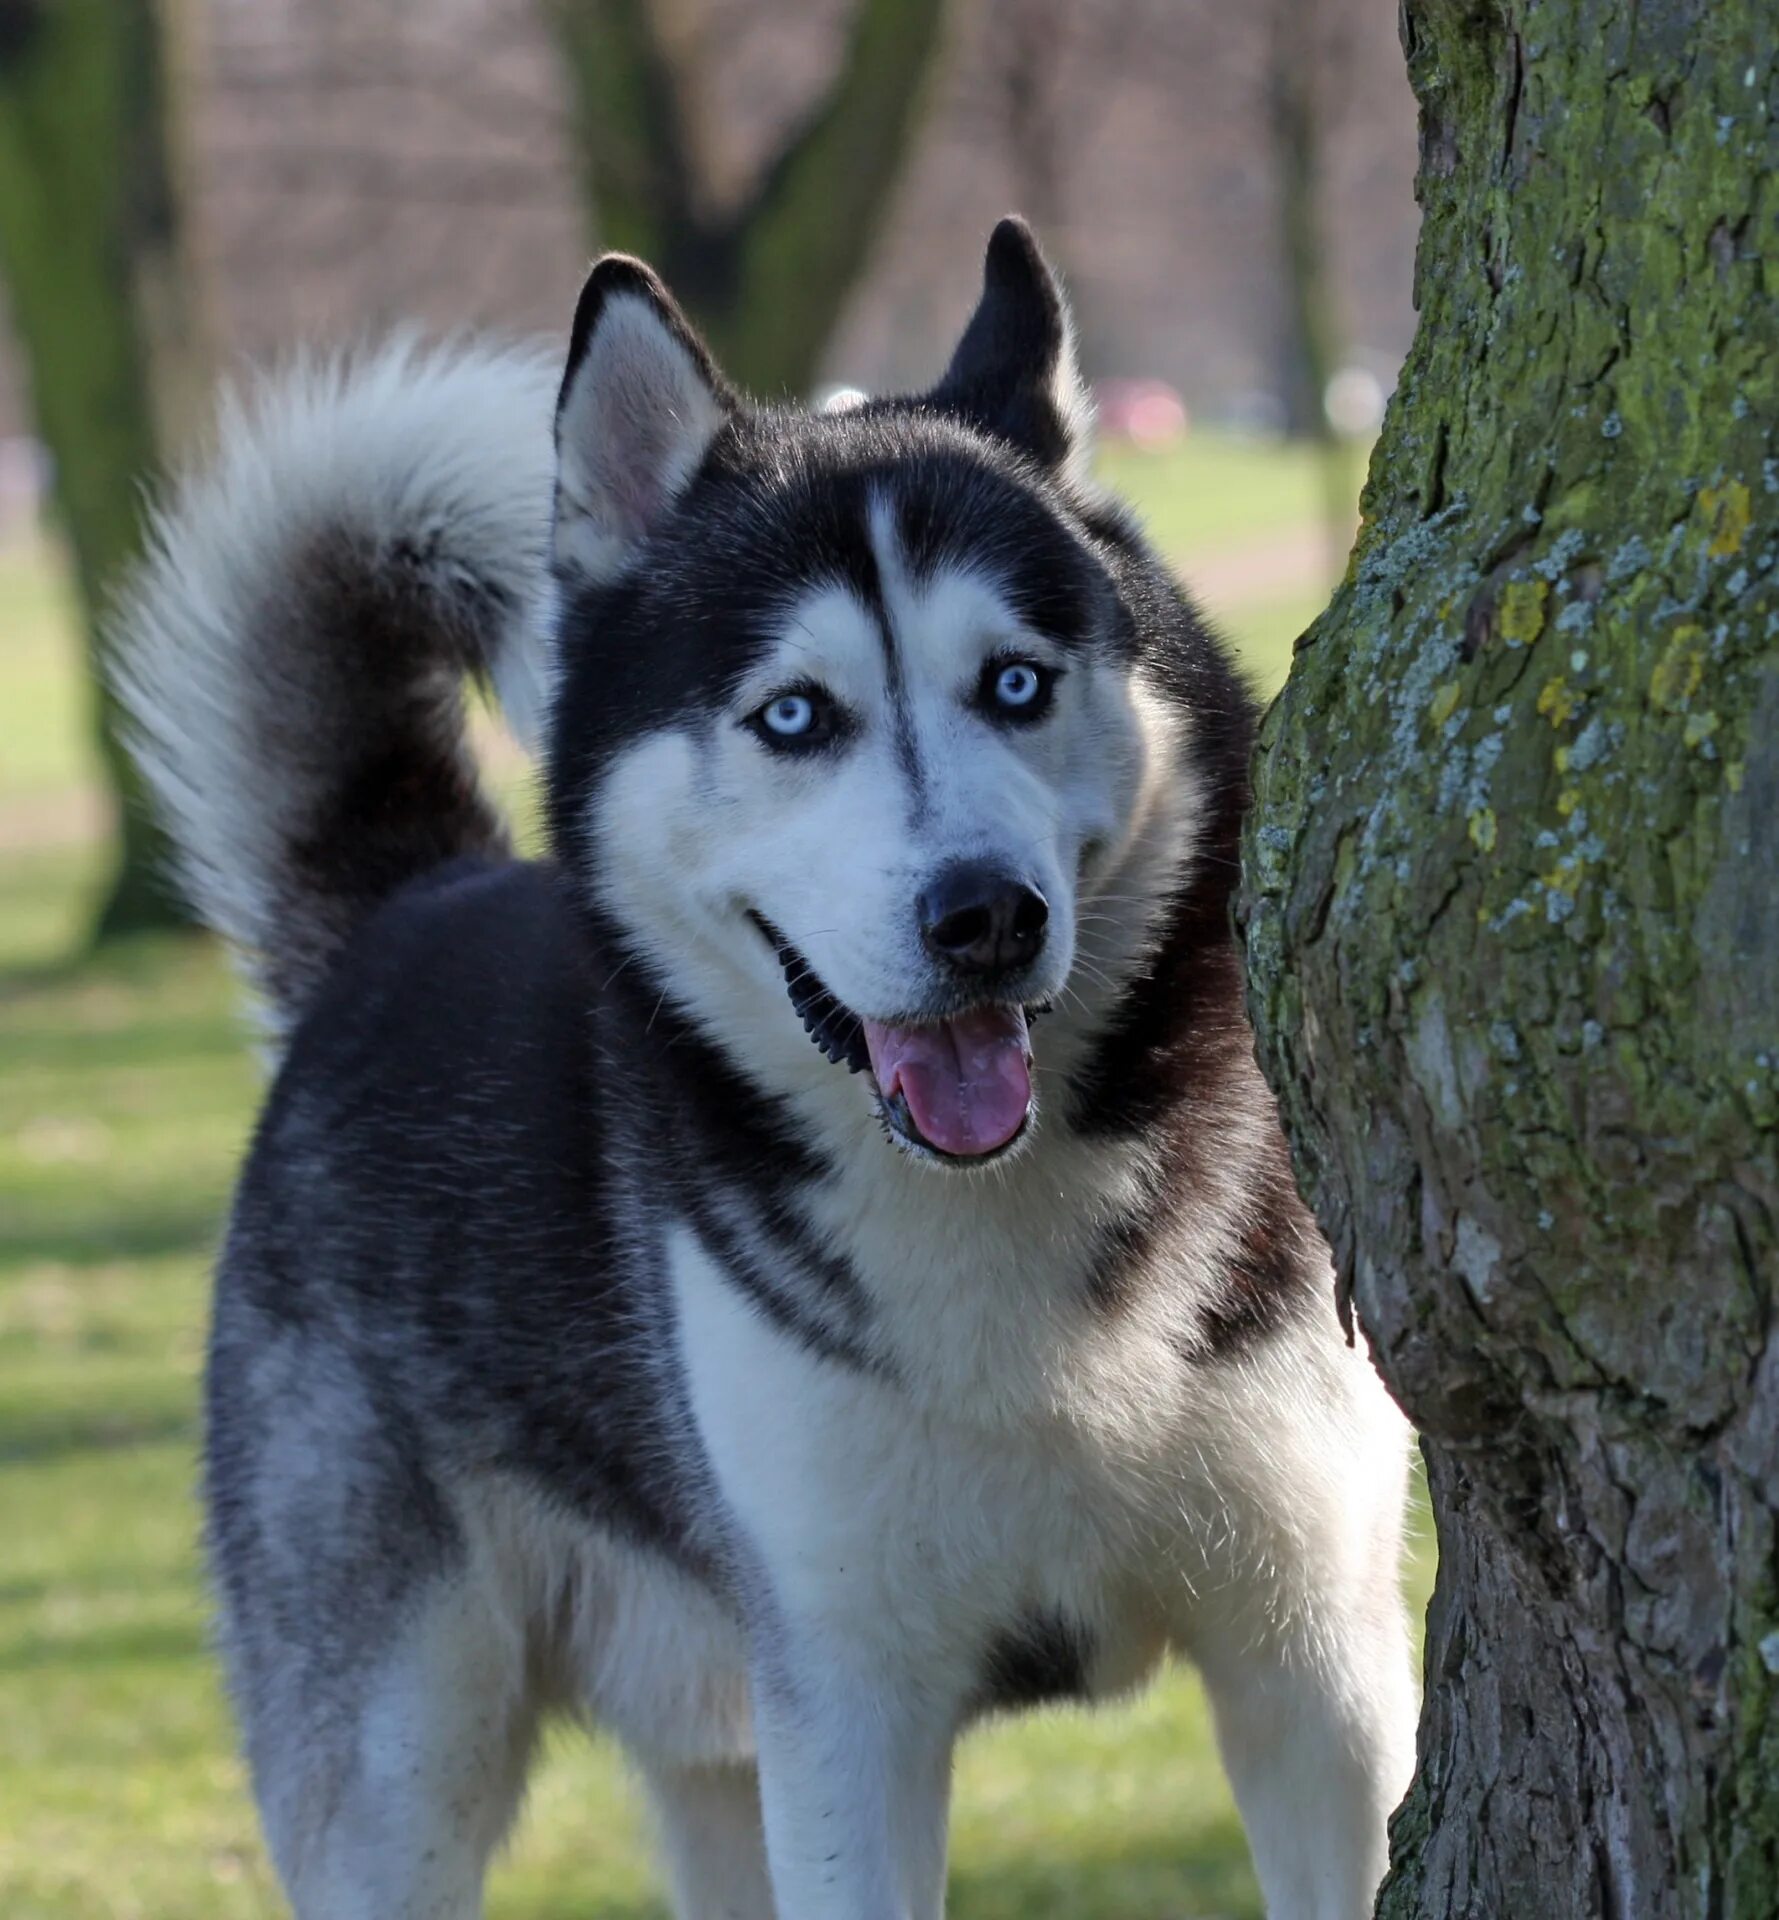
979, 920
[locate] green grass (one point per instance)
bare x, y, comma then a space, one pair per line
42, 708
1215, 488
126, 1089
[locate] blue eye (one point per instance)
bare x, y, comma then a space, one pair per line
799, 719
789, 716
1018, 685
1016, 690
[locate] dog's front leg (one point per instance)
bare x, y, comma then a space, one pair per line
1316, 1722
855, 1781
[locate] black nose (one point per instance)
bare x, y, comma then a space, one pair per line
981, 921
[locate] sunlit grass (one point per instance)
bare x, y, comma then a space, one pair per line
43, 711
126, 1092
1216, 488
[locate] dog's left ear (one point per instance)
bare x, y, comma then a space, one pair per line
1014, 371
641, 401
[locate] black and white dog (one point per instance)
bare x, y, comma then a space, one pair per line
680, 1282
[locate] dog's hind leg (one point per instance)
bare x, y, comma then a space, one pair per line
712, 1840
388, 1804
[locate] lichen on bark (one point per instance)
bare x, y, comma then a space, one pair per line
1511, 906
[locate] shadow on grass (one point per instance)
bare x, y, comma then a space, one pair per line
104, 1235
172, 1041
102, 1583
131, 960
103, 1019
1137, 1879
123, 1646
44, 1442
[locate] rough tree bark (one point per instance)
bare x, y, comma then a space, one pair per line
1512, 915
766, 279
89, 247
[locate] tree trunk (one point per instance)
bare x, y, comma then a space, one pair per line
1512, 916
767, 280
89, 249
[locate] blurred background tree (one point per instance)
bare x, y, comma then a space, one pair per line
1300, 72
765, 277
92, 247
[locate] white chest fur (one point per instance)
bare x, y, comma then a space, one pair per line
928, 1535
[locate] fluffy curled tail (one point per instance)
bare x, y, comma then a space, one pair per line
294, 648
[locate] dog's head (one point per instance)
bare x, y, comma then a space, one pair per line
855, 726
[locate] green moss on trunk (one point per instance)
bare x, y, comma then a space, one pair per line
88, 247
1512, 920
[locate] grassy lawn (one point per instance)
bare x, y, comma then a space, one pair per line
125, 1093
1218, 487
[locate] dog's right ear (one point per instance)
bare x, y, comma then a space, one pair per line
641, 401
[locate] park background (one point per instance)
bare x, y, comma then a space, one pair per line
1229, 194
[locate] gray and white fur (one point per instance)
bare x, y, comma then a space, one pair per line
811, 1261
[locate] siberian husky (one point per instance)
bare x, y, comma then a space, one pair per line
811, 1261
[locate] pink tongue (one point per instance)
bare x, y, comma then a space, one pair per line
968, 1081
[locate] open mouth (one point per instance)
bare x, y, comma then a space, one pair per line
959, 1088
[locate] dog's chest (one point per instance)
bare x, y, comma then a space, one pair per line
1022, 1560
979, 1290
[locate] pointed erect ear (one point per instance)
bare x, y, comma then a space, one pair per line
641, 400
1014, 371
